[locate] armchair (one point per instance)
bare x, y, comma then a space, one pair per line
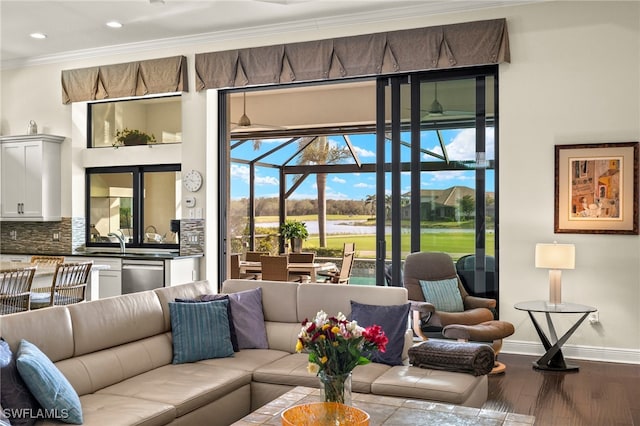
471, 318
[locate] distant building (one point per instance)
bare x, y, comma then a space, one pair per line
444, 204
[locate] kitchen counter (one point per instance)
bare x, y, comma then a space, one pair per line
146, 255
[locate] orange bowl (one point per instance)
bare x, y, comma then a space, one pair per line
324, 414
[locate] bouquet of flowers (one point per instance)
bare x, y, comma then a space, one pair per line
336, 346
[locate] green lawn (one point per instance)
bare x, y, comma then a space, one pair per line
456, 244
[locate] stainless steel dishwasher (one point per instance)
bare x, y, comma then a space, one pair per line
141, 275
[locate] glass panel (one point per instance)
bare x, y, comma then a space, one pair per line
136, 122
111, 207
162, 195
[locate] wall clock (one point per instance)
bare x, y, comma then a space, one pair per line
193, 180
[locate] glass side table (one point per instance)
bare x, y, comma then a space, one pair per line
553, 358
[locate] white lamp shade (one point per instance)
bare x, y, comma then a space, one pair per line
556, 256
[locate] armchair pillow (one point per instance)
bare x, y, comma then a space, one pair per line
443, 294
200, 331
392, 319
49, 386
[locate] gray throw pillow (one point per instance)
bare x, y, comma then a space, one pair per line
393, 320
248, 319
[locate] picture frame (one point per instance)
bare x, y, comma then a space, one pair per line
596, 188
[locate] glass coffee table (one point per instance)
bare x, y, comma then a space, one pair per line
553, 358
389, 411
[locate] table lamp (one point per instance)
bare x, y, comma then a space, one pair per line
555, 257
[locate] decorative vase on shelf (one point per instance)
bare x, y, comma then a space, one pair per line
335, 388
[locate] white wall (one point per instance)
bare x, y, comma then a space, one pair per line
574, 77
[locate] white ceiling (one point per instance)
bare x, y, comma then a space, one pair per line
76, 29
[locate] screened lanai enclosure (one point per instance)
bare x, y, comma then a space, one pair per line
395, 165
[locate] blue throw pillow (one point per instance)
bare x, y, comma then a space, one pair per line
52, 390
212, 297
393, 319
21, 407
200, 331
443, 294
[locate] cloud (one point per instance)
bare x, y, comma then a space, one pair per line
242, 173
463, 146
363, 185
338, 180
363, 152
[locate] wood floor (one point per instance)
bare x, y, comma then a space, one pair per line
600, 394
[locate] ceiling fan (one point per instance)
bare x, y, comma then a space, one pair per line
244, 124
437, 110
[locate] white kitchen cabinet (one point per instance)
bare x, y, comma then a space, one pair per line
110, 279
31, 178
181, 271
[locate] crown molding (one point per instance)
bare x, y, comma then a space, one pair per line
346, 21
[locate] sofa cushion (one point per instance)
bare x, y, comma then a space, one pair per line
393, 319
187, 387
443, 294
113, 317
248, 319
247, 359
14, 393
292, 370
279, 298
434, 385
52, 390
35, 326
200, 331
102, 409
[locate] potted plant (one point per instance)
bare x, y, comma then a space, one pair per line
133, 137
296, 232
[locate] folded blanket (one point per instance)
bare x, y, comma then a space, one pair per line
473, 358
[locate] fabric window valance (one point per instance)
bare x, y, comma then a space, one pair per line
447, 46
139, 78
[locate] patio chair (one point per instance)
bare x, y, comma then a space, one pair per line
15, 289
254, 256
304, 257
235, 273
275, 268
344, 273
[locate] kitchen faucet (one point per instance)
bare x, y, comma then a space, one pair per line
120, 240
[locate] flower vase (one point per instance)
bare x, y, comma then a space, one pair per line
335, 388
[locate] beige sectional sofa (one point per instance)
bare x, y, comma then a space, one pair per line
117, 355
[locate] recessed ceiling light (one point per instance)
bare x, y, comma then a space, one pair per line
39, 36
114, 24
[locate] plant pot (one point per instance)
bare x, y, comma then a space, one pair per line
296, 245
135, 140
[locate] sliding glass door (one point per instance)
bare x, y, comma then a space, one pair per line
436, 173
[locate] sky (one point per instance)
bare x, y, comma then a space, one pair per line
459, 145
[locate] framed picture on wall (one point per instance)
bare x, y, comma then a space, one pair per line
596, 188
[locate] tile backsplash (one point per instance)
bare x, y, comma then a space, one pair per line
42, 237
68, 235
